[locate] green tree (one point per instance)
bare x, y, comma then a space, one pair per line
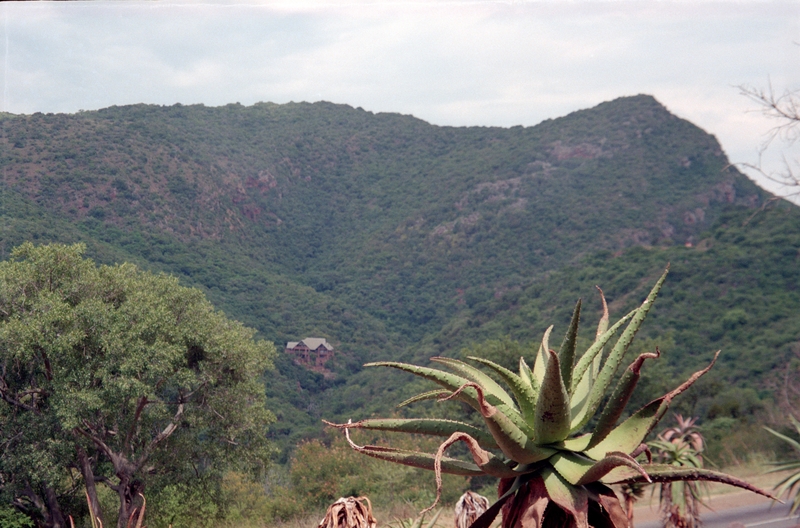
117, 376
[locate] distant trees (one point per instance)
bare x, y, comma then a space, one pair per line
113, 376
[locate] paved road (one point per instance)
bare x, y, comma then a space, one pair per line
752, 516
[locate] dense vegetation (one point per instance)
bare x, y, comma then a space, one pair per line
111, 375
396, 239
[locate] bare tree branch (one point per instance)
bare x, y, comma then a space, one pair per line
6, 395
784, 111
92, 435
126, 448
163, 435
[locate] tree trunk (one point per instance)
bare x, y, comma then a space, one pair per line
88, 478
36, 500
128, 491
54, 519
124, 502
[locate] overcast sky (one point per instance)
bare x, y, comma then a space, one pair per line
448, 62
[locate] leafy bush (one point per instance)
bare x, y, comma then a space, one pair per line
182, 506
11, 518
320, 474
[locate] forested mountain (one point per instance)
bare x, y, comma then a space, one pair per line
395, 238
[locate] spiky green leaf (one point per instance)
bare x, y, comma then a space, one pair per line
540, 363
454, 382
516, 444
525, 372
487, 518
618, 400
421, 460
579, 470
490, 387
571, 499
435, 394
551, 421
616, 355
566, 353
602, 325
424, 426
667, 473
576, 443
523, 392
582, 369
632, 432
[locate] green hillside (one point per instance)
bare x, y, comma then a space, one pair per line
395, 238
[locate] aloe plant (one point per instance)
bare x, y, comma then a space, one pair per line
416, 522
792, 480
349, 512
552, 472
680, 446
468, 508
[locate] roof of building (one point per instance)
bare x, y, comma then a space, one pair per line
312, 343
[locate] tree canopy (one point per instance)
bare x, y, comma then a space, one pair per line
112, 375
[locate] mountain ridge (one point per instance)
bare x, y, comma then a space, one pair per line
388, 236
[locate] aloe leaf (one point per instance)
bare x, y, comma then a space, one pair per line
433, 520
454, 382
523, 392
576, 443
540, 363
489, 464
593, 352
667, 473
787, 486
615, 357
490, 386
525, 372
425, 426
571, 499
551, 421
445, 379
526, 375
602, 325
630, 433
580, 395
795, 422
611, 461
579, 399
579, 470
566, 353
785, 438
609, 502
429, 395
619, 399
571, 466
487, 518
529, 506
513, 441
421, 460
